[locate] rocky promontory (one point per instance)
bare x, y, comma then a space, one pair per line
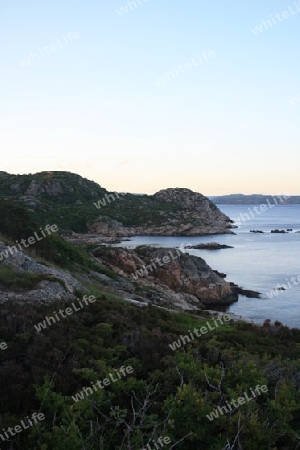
170, 276
178, 212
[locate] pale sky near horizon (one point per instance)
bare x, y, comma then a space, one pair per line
224, 121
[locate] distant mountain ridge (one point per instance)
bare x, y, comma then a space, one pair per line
77, 204
253, 199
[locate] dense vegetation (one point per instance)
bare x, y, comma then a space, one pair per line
68, 200
16, 224
170, 393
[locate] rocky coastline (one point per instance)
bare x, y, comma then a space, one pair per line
165, 277
192, 214
113, 229
171, 272
88, 216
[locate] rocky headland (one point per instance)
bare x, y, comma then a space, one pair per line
181, 279
163, 277
195, 215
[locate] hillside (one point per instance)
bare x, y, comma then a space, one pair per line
75, 317
173, 387
77, 204
26, 274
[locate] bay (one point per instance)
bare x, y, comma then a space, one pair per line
258, 261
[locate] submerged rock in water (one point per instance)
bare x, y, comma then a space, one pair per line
209, 246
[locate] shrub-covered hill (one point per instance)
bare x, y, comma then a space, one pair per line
60, 197
17, 224
72, 202
168, 393
31, 273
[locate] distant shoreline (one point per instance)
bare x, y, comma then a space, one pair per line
253, 199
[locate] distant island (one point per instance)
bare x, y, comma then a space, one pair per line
253, 199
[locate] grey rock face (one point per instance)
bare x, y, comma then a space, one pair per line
181, 279
63, 286
196, 216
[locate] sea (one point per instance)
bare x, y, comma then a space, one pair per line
258, 261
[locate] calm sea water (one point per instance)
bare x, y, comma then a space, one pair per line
257, 261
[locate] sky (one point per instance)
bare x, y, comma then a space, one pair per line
144, 95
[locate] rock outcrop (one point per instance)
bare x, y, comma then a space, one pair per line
54, 285
278, 231
195, 215
182, 280
209, 246
246, 292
